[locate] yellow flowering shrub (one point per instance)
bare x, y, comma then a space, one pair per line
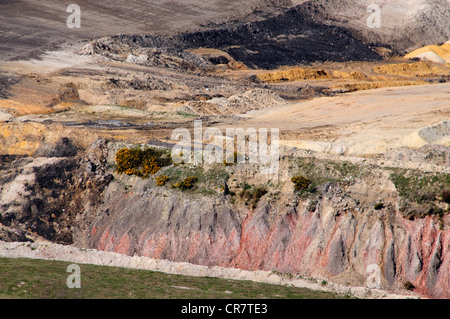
187, 183
300, 183
142, 163
162, 180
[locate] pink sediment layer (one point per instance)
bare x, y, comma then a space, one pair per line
325, 243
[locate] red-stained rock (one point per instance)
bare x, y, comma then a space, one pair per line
329, 243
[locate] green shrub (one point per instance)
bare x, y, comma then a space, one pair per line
446, 196
408, 285
257, 194
253, 196
378, 206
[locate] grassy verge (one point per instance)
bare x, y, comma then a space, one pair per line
32, 278
419, 186
320, 171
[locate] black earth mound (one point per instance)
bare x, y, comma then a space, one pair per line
288, 39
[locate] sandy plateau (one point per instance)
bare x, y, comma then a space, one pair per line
364, 123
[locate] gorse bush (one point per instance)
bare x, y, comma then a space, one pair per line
142, 163
187, 183
150, 166
162, 180
300, 183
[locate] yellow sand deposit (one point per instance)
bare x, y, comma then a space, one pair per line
26, 138
18, 108
350, 75
293, 74
412, 69
430, 51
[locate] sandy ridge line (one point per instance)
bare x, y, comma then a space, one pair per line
50, 251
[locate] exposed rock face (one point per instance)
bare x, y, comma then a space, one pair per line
337, 235
43, 196
337, 239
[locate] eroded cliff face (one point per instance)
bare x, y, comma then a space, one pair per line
337, 235
330, 242
43, 196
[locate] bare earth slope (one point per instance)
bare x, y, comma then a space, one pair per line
405, 24
28, 26
362, 123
